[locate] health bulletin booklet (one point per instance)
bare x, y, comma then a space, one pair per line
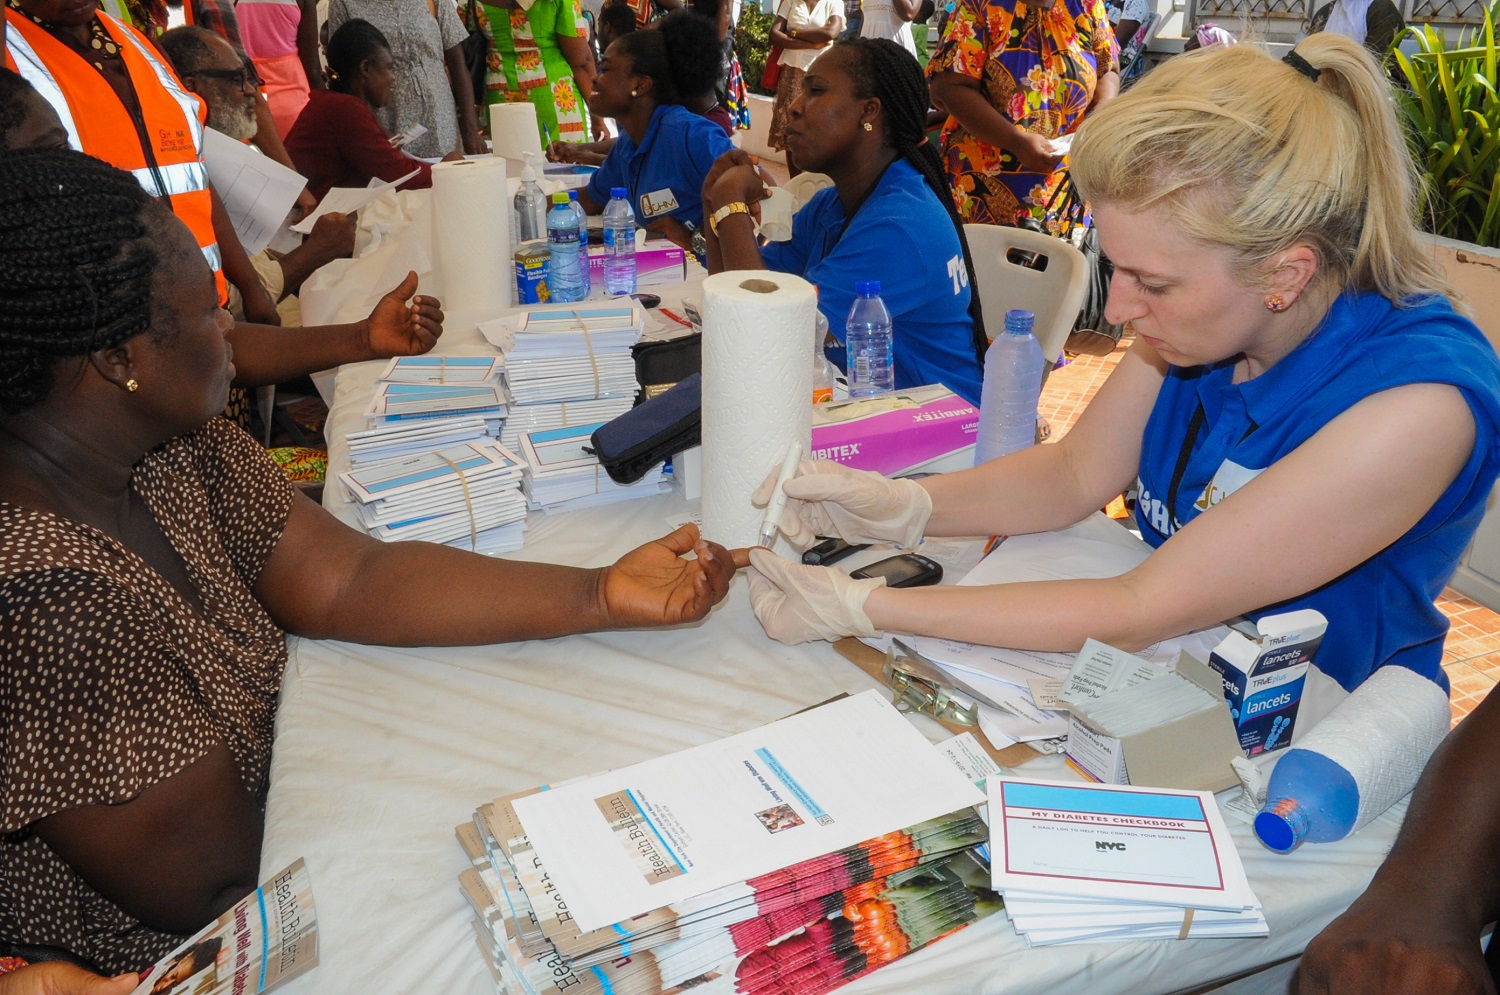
270, 936
632, 840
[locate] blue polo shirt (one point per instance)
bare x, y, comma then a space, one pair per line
902, 236
1381, 611
665, 173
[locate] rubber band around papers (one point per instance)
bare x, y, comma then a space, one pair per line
1187, 924
468, 503
588, 340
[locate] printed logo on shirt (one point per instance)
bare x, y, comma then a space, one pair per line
958, 273
658, 202
1228, 478
173, 140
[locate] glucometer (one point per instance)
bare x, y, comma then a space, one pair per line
830, 551
905, 570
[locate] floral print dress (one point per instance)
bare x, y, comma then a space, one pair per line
526, 64
1038, 66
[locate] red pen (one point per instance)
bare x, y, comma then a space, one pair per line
675, 317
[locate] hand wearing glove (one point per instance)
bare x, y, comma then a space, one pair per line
798, 603
828, 499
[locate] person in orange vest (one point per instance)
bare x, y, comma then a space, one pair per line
120, 102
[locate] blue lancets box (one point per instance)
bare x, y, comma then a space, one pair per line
1264, 673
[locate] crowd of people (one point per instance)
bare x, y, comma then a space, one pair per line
1307, 418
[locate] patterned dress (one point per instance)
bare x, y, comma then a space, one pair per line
526, 64
1038, 66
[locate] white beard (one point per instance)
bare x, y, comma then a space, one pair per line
238, 123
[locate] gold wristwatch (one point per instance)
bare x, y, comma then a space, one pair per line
738, 207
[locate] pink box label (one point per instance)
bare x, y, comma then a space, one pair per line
894, 441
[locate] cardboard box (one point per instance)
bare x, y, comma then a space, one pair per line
924, 429
1192, 752
1263, 675
656, 265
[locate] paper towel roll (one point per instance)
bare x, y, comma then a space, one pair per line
514, 131
757, 391
471, 209
1383, 735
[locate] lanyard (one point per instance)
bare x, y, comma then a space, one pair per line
1195, 427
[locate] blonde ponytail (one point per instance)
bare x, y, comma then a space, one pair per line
1249, 153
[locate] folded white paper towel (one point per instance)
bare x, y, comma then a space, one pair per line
471, 210
757, 391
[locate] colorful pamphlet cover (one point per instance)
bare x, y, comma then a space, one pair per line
270, 936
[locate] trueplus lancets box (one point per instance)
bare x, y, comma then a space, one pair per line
1264, 673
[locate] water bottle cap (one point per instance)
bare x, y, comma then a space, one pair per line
1019, 322
572, 194
559, 198
619, 192
1282, 824
867, 288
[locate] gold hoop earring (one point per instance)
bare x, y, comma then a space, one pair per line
132, 385
869, 126
1275, 303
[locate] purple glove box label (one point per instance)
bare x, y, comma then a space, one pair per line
902, 431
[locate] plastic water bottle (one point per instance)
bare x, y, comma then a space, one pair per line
563, 278
867, 337
823, 372
586, 278
1013, 368
619, 243
531, 206
1310, 798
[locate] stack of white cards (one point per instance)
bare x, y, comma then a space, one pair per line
1095, 863
562, 476
466, 495
567, 365
433, 390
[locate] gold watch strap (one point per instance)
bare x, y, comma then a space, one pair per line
738, 207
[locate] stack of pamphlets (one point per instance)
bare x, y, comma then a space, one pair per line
270, 936
562, 475
1097, 862
422, 403
567, 365
466, 495
769, 862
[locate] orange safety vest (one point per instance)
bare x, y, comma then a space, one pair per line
98, 123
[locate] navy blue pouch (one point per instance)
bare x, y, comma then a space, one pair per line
651, 432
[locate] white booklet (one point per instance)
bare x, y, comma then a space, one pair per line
270, 936
1108, 842
628, 841
443, 369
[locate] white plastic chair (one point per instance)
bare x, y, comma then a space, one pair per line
1054, 293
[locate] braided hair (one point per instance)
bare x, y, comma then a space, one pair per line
883, 70
76, 265
355, 41
682, 56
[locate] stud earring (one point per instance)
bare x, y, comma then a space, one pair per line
869, 126
1275, 303
632, 93
132, 385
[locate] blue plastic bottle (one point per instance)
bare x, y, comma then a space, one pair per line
619, 243
583, 242
1013, 367
563, 277
1310, 799
867, 337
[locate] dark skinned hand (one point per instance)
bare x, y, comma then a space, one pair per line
1394, 945
654, 585
58, 978
732, 179
1035, 153
675, 231
396, 328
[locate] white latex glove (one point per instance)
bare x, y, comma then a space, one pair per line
825, 498
798, 603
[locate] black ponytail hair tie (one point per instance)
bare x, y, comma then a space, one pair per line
1304, 67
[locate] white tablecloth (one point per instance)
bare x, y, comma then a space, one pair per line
380, 752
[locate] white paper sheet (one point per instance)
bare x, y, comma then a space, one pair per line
347, 200
635, 839
257, 191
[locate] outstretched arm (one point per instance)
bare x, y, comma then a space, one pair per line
1415, 930
267, 354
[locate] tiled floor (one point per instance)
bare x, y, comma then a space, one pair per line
1471, 654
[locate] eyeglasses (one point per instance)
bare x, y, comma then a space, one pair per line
243, 76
